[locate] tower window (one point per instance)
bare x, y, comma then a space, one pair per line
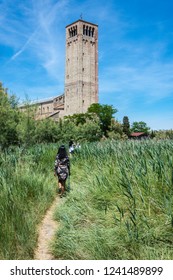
92, 32
73, 31
84, 30
88, 30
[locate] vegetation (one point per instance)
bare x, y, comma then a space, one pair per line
140, 127
105, 114
121, 203
21, 128
126, 125
26, 191
163, 134
9, 118
120, 206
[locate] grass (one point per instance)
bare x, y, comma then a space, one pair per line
121, 203
27, 188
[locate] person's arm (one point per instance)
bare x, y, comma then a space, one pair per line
68, 165
55, 166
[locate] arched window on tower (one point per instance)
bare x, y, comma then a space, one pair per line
75, 30
92, 32
89, 31
84, 30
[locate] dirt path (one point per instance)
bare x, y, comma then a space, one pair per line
46, 234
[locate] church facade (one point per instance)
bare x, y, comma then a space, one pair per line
81, 74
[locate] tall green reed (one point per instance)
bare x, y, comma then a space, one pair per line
27, 187
125, 191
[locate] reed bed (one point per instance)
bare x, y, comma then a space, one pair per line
121, 202
27, 188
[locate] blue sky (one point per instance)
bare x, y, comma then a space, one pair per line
135, 52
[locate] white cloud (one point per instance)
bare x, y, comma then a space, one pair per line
137, 70
39, 34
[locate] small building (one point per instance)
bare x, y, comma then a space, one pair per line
138, 135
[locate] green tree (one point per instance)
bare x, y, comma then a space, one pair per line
47, 131
77, 118
90, 131
68, 130
116, 130
152, 134
9, 118
126, 125
27, 125
105, 114
140, 127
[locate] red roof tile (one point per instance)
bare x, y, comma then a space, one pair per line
137, 134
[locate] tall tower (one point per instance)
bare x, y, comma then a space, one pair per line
81, 70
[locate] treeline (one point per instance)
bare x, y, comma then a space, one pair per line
21, 128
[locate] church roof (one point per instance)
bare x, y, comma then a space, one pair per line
40, 101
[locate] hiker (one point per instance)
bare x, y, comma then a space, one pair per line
71, 147
62, 168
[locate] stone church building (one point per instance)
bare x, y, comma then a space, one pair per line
81, 74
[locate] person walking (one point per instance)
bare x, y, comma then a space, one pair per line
71, 147
62, 168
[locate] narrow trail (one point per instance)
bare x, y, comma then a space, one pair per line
46, 233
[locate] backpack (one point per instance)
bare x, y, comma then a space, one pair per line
62, 168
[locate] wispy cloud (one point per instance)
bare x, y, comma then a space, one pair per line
135, 49
22, 49
137, 70
128, 86
38, 33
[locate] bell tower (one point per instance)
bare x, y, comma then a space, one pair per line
81, 68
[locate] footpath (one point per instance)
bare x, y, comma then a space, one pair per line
46, 234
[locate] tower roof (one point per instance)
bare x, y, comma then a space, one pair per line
81, 21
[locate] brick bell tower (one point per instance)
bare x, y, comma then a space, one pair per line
81, 69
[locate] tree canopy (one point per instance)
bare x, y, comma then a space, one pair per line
140, 127
9, 118
126, 125
105, 114
21, 128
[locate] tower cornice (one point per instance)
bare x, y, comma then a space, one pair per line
81, 20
